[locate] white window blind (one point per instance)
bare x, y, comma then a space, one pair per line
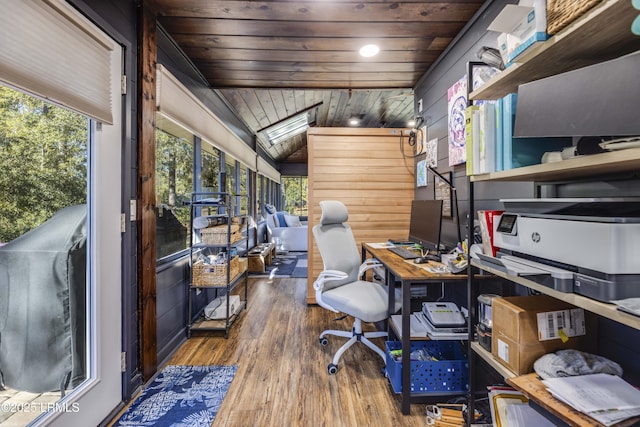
267, 170
50, 50
176, 103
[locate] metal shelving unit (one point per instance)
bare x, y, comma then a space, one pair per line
215, 265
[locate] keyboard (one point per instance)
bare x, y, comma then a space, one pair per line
404, 253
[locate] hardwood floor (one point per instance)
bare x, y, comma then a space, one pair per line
282, 377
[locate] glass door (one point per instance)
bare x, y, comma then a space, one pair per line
60, 262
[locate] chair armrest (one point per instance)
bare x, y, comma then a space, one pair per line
318, 285
327, 276
367, 265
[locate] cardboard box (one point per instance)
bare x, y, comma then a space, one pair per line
516, 333
520, 26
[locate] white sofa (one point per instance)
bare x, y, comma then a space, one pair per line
292, 237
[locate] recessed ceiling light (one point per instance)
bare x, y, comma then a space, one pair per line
411, 123
353, 121
369, 50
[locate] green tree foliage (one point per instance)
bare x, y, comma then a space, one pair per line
174, 184
43, 159
174, 170
295, 193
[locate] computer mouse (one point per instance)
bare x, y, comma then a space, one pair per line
420, 260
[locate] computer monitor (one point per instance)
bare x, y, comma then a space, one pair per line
426, 223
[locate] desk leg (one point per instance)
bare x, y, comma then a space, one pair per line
389, 281
406, 347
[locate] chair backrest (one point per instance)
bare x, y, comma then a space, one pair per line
336, 243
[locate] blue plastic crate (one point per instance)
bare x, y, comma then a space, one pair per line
449, 375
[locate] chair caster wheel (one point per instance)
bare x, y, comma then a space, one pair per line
323, 341
332, 369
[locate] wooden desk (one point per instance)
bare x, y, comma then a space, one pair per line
397, 269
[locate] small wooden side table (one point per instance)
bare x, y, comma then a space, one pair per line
261, 256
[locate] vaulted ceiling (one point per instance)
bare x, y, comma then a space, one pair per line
273, 59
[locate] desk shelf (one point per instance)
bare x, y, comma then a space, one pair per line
578, 167
396, 326
600, 308
601, 34
488, 357
531, 386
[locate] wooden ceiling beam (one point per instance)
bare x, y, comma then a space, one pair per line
322, 11
420, 58
227, 27
308, 84
203, 42
309, 67
292, 76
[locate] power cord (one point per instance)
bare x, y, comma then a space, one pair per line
413, 138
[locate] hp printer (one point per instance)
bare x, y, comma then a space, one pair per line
582, 245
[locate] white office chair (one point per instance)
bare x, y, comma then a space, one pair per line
339, 288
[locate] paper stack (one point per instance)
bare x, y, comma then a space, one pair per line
606, 398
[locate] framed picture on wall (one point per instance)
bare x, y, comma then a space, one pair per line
442, 191
421, 174
431, 149
457, 103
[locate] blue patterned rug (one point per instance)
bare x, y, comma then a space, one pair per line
181, 396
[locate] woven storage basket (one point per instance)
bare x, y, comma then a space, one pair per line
214, 274
561, 13
243, 264
218, 235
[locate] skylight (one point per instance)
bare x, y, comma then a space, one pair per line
288, 128
292, 125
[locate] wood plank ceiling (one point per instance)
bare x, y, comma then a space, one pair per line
273, 59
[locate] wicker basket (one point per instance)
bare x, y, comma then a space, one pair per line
218, 235
561, 13
214, 274
243, 264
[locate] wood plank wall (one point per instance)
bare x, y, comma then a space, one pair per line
366, 170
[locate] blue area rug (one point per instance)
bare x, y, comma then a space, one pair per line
181, 396
291, 264
300, 269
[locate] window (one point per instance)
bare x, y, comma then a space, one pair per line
295, 195
45, 153
174, 185
210, 167
244, 189
230, 168
291, 126
259, 201
43, 158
